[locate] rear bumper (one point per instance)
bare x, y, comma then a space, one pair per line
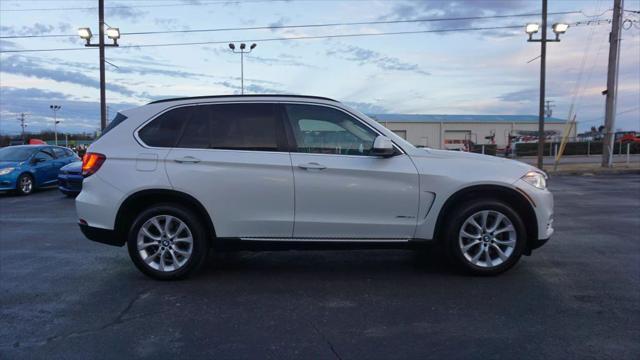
104, 236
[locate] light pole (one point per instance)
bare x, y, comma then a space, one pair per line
113, 34
558, 28
242, 51
55, 109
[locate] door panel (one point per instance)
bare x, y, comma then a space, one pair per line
341, 189
247, 193
231, 158
355, 196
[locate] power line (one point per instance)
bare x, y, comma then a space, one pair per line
278, 39
199, 3
272, 27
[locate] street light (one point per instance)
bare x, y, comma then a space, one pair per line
530, 29
55, 109
242, 51
113, 34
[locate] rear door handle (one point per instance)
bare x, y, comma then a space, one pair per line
312, 166
187, 159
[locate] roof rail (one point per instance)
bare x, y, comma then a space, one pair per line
228, 96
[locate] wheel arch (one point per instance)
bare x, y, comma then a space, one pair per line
513, 197
141, 200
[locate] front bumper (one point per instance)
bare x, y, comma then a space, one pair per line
8, 182
542, 201
70, 183
104, 236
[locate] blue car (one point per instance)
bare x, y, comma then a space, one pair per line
70, 179
24, 168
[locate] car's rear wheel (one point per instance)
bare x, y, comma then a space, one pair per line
168, 242
24, 185
485, 237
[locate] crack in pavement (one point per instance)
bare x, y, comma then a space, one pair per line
119, 319
333, 350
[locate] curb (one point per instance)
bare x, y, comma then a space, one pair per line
595, 172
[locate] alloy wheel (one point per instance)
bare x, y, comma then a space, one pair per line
487, 238
165, 243
26, 184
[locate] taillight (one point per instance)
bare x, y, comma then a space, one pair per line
91, 162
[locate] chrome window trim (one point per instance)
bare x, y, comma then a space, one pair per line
144, 123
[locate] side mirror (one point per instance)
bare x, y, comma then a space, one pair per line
36, 160
383, 146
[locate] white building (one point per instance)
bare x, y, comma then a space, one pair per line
453, 131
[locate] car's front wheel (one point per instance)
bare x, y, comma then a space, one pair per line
485, 237
168, 242
24, 184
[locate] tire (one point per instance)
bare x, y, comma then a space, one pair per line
25, 184
510, 242
165, 259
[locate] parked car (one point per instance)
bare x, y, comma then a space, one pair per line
177, 177
70, 179
24, 168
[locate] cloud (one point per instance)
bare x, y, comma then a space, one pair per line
367, 108
32, 68
364, 56
35, 29
76, 115
278, 23
281, 60
412, 10
125, 13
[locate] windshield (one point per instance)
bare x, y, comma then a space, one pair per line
15, 153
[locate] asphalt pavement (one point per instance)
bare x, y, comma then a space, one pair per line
64, 297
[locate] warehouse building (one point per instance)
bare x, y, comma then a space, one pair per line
454, 131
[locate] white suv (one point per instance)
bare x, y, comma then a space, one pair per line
175, 178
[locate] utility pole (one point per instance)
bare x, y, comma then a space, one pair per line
612, 84
543, 67
103, 95
113, 34
22, 125
548, 111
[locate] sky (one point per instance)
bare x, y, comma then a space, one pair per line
439, 70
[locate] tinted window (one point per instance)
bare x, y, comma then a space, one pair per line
324, 130
43, 155
223, 126
68, 152
165, 130
59, 152
245, 126
197, 132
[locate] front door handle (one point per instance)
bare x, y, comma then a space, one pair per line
187, 159
312, 166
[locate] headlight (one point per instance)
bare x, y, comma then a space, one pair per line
536, 179
5, 171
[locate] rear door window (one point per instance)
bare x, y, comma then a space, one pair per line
246, 127
256, 127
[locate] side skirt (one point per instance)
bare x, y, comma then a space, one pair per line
274, 244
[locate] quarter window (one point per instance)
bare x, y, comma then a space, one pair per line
324, 130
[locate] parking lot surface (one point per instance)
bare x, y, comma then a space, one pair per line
63, 296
